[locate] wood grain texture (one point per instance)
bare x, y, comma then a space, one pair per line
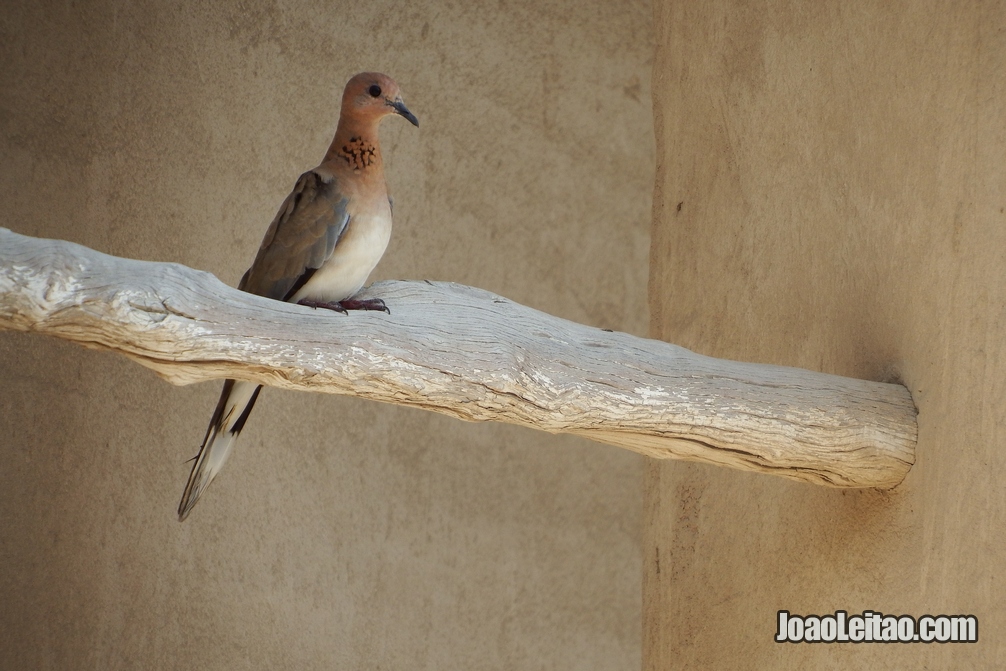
471, 354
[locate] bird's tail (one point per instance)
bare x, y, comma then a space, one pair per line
236, 402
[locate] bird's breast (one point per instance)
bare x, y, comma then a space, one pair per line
355, 256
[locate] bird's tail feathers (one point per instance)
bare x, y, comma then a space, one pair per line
236, 402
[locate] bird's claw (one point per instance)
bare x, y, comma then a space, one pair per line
307, 302
348, 304
365, 304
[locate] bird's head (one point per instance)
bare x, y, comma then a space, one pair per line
371, 96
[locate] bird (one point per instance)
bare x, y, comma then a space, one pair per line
321, 247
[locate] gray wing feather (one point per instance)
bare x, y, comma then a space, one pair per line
300, 239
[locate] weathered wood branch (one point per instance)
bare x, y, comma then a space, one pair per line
470, 354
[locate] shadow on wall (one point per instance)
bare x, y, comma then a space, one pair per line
343, 533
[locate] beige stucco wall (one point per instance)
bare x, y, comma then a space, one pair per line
830, 194
342, 534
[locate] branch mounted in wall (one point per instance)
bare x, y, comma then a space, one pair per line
470, 354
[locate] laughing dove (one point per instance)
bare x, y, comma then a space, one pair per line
326, 238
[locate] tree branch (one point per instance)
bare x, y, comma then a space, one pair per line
470, 354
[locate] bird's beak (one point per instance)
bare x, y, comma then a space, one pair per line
400, 108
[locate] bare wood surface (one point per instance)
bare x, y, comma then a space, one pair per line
471, 354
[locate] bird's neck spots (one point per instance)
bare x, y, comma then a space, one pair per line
359, 153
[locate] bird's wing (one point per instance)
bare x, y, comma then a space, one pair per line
300, 239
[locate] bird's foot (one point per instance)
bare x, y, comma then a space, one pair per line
337, 307
348, 304
365, 304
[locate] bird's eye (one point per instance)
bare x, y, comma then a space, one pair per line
374, 90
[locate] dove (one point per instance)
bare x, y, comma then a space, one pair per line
327, 237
